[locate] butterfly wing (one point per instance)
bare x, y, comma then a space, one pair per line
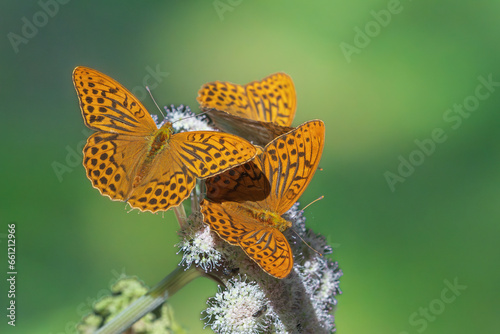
259, 111
108, 106
246, 182
289, 162
228, 97
270, 249
273, 99
111, 160
265, 245
208, 153
167, 184
258, 132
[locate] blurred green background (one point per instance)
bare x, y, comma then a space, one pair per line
395, 246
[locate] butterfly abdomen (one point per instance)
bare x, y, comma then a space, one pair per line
274, 220
157, 144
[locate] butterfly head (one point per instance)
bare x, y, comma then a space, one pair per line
167, 126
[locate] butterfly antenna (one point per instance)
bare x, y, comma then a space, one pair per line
306, 243
317, 199
150, 94
302, 210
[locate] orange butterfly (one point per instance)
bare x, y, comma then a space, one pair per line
130, 159
288, 164
258, 111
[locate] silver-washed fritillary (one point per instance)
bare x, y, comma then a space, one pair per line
130, 159
255, 224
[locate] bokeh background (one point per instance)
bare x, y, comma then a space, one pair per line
395, 246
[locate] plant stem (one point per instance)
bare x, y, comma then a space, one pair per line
195, 204
151, 300
180, 213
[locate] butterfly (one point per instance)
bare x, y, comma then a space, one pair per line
258, 111
287, 164
132, 159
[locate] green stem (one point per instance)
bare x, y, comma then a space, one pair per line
151, 300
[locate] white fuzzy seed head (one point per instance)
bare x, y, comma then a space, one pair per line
198, 245
183, 119
241, 308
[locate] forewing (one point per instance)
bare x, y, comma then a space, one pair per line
267, 246
225, 96
208, 153
110, 160
290, 162
108, 106
273, 99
